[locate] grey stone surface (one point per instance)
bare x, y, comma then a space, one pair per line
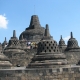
72, 44
47, 31
14, 51
69, 73
62, 45
21, 59
34, 32
4, 44
23, 43
4, 61
48, 54
72, 57
44, 63
13, 42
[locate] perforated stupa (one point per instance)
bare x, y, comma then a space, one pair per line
48, 54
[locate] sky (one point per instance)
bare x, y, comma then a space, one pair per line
62, 16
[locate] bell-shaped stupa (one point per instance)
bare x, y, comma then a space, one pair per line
72, 44
62, 45
14, 50
4, 44
34, 32
4, 61
23, 43
48, 54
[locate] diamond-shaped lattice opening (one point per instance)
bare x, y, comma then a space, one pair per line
43, 42
49, 50
14, 42
41, 50
47, 47
51, 41
51, 47
45, 51
39, 43
49, 44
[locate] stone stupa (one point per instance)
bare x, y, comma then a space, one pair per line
14, 50
34, 32
48, 54
72, 44
23, 43
14, 44
4, 61
62, 45
4, 44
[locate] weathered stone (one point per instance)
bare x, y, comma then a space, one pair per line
4, 44
4, 61
62, 45
72, 45
47, 64
14, 48
34, 32
48, 54
23, 43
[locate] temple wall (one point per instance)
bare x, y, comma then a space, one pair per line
24, 58
41, 74
72, 57
21, 58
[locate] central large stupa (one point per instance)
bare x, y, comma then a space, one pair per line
34, 32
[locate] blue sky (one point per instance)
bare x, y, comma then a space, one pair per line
62, 16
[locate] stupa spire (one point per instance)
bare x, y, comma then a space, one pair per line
71, 35
62, 44
14, 33
34, 22
61, 36
47, 30
5, 38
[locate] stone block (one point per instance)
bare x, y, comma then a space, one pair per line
65, 79
77, 78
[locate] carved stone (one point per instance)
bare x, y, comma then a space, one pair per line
48, 54
72, 44
4, 61
62, 45
23, 43
4, 44
34, 32
14, 50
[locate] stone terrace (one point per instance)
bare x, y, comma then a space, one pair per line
23, 73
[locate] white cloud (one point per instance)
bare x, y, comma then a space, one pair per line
3, 21
66, 38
